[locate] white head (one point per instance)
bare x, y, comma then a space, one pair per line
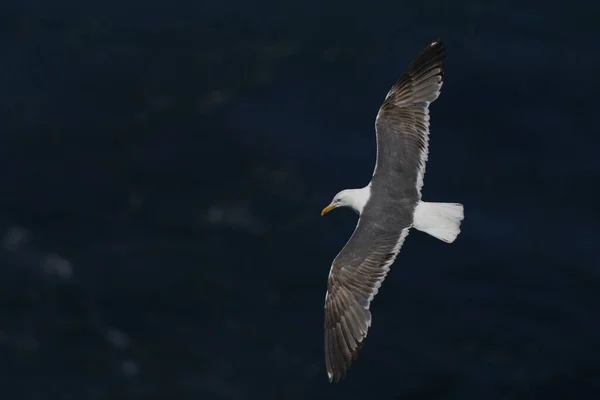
353, 198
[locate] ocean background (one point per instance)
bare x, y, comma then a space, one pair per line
164, 164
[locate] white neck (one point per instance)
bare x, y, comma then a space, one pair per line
358, 198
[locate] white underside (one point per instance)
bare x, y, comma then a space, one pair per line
440, 220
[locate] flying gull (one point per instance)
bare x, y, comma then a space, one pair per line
388, 207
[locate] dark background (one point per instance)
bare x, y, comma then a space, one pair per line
163, 166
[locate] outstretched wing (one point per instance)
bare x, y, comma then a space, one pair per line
354, 279
402, 124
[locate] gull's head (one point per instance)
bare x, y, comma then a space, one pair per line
353, 198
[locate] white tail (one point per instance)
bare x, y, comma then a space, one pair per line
440, 220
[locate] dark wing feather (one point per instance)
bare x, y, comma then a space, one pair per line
402, 124
354, 279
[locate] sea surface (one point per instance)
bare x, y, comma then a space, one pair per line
164, 164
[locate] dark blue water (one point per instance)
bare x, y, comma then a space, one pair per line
164, 165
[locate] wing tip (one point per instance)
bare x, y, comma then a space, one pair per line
439, 43
336, 377
422, 80
434, 54
337, 371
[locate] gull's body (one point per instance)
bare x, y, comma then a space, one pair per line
388, 207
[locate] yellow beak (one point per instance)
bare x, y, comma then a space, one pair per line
327, 209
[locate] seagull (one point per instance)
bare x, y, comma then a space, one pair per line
388, 207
